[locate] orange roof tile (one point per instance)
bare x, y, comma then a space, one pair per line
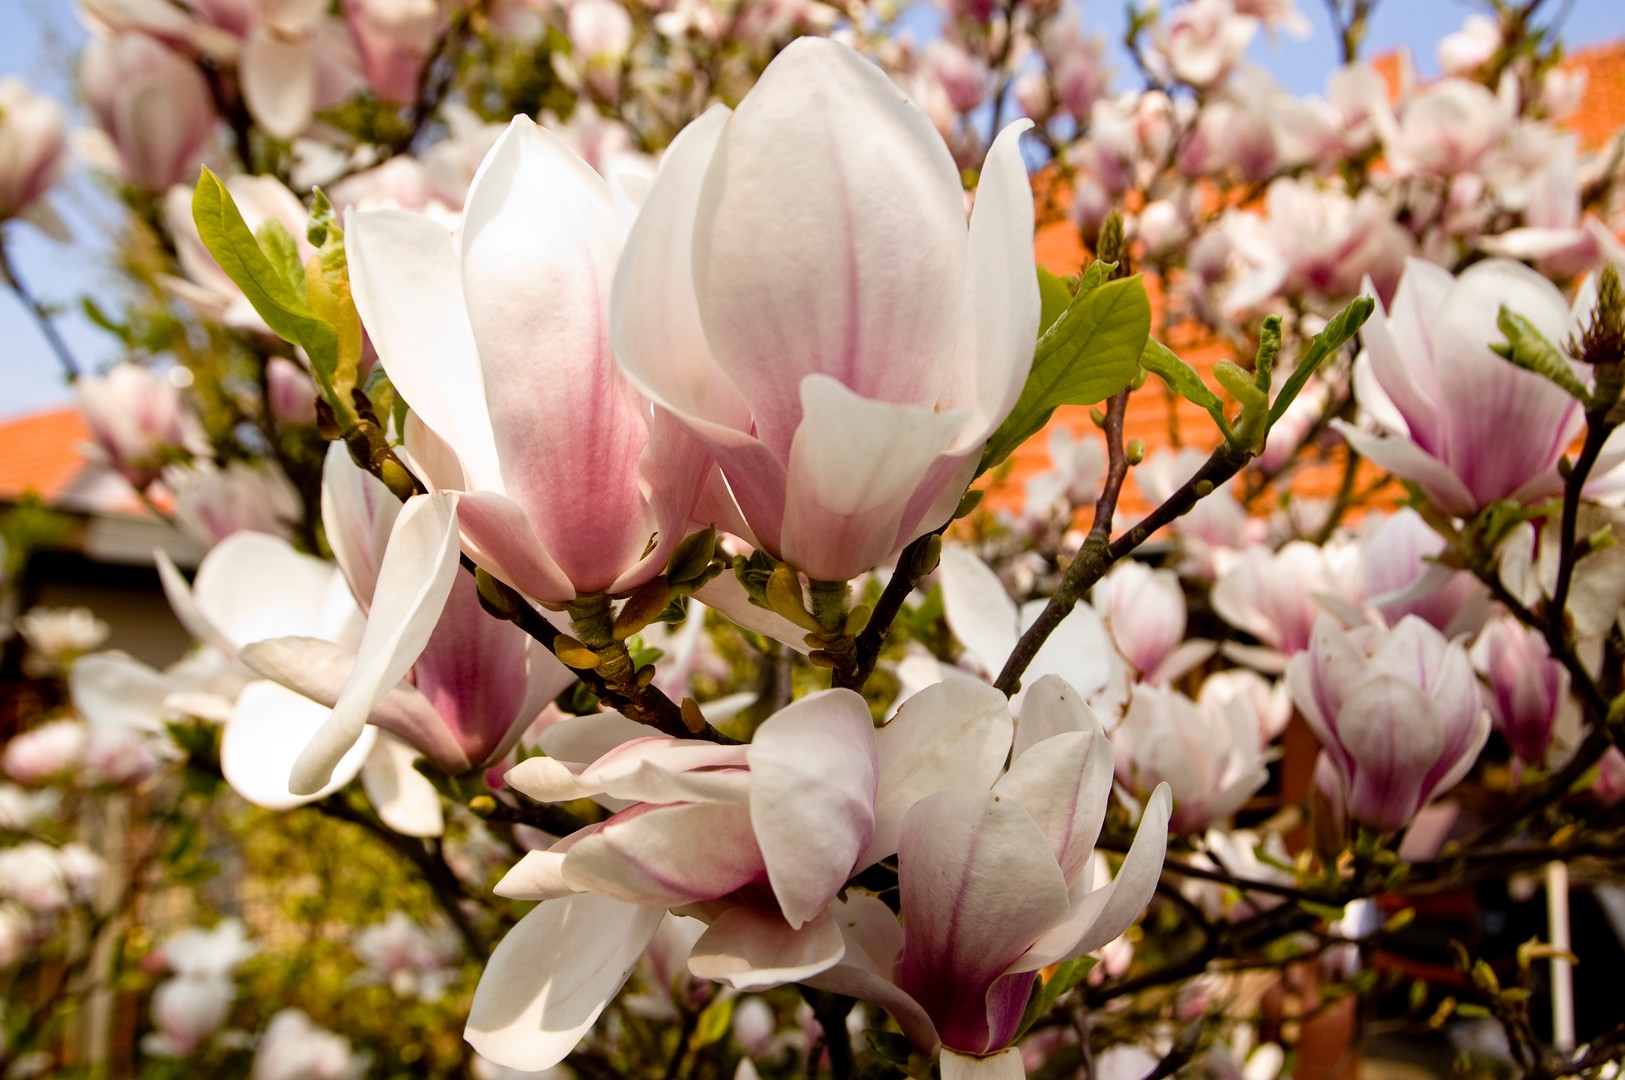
39, 453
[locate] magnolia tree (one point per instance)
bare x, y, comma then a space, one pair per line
608, 663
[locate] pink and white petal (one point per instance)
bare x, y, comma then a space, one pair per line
413, 584
668, 855
278, 79
358, 512
1106, 912
1004, 1065
854, 463
813, 772
1394, 737
536, 279
979, 885
408, 287
674, 468
955, 734
582, 740
870, 302
979, 611
659, 341
1000, 310
1065, 783
319, 669
270, 726
551, 976
874, 940
403, 797
502, 541
1051, 707
753, 950
1404, 458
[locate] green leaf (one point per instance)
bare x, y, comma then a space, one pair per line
1053, 296
890, 1045
285, 310
1067, 976
1090, 353
1528, 348
713, 1023
282, 250
1161, 361
1344, 325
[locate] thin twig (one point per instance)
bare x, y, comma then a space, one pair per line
42, 318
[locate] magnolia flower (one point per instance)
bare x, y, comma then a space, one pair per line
52, 749
1313, 241
60, 634
136, 414
293, 1048
1529, 691
1200, 41
1471, 47
756, 840
1268, 703
1398, 718
46, 879
497, 337
1277, 597
394, 38
187, 1011
844, 363
1529, 561
212, 503
1208, 756
1144, 609
1403, 577
202, 954
1610, 782
995, 885
153, 105
32, 151
1447, 129
1077, 464
414, 962
1447, 404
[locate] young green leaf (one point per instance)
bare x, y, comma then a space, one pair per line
285, 311
1344, 325
1066, 977
1053, 297
1162, 362
1528, 348
282, 250
1090, 353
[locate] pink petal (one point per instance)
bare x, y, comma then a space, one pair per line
668, 855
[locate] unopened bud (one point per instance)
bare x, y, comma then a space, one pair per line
969, 503
482, 806
1098, 416
692, 557
693, 718
643, 607
1134, 452
857, 619
785, 597
929, 556
497, 597
573, 654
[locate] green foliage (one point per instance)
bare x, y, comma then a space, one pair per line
1090, 352
1066, 977
1528, 348
1336, 333
1162, 362
1054, 296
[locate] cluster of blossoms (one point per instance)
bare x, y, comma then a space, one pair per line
638, 580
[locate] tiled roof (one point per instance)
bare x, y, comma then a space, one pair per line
39, 453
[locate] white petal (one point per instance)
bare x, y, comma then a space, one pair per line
413, 584
1005, 1065
403, 797
955, 734
979, 612
279, 83
269, 727
752, 950
548, 980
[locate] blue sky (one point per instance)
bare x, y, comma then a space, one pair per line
39, 38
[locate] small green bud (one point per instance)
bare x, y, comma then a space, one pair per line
969, 503
692, 557
641, 608
497, 597
1204, 488
1134, 452
573, 654
784, 596
1098, 415
857, 619
929, 556
482, 806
